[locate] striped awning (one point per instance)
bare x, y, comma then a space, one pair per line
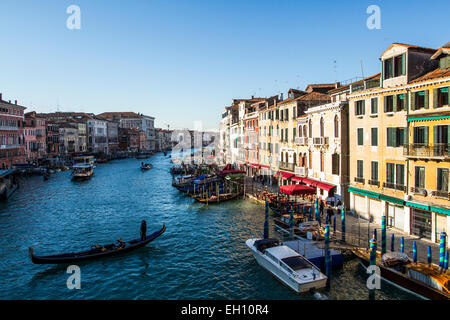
429, 118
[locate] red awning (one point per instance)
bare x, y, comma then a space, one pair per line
256, 166
297, 179
297, 189
285, 175
262, 166
318, 184
226, 172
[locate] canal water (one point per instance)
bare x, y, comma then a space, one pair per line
202, 254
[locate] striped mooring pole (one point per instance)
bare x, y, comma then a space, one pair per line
393, 243
334, 224
343, 222
446, 261
310, 213
383, 234
373, 262
402, 245
266, 221
442, 249
291, 224
327, 254
376, 238
414, 252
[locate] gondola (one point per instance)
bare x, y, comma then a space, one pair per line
215, 199
146, 166
97, 252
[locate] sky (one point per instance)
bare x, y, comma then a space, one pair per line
184, 61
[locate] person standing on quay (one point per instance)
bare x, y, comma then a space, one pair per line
143, 230
321, 207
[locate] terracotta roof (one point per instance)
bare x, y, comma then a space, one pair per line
409, 46
64, 115
435, 74
128, 115
346, 87
8, 103
442, 50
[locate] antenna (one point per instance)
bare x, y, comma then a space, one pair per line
57, 104
362, 70
335, 72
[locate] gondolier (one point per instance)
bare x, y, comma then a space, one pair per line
143, 230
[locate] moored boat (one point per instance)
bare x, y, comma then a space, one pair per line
82, 172
423, 280
96, 252
216, 199
146, 166
289, 267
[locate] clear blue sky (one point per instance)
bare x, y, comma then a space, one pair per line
182, 61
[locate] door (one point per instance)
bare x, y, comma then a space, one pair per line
421, 223
399, 217
391, 216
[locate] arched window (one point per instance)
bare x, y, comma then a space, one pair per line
310, 129
304, 130
336, 127
300, 133
295, 159
321, 127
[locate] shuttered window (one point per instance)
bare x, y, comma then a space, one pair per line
390, 172
442, 179
374, 106
374, 137
374, 171
400, 174
360, 168
419, 177
360, 136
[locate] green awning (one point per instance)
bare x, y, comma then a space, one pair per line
392, 199
364, 192
418, 205
401, 96
429, 118
444, 89
421, 93
441, 210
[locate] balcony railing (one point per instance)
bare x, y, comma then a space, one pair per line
9, 146
374, 182
360, 180
391, 185
9, 128
419, 190
441, 194
319, 141
301, 141
287, 166
301, 171
420, 150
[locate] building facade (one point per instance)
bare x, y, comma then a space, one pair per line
35, 138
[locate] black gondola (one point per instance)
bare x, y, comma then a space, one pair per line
146, 166
97, 252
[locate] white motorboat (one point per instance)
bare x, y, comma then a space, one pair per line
286, 265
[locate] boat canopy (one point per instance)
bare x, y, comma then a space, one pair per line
232, 171
297, 189
235, 176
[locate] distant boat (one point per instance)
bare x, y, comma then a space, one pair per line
82, 172
289, 267
96, 252
146, 166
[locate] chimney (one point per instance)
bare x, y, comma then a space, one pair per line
253, 97
16, 102
281, 96
1, 96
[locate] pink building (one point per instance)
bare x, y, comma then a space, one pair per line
35, 137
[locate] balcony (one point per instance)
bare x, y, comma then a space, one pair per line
441, 194
301, 171
420, 191
9, 146
420, 150
374, 182
287, 166
301, 141
359, 180
9, 128
390, 185
320, 141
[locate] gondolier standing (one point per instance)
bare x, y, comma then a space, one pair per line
143, 230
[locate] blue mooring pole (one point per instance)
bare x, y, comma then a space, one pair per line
334, 224
373, 262
383, 235
266, 221
402, 245
393, 243
414, 252
429, 255
327, 254
442, 249
376, 238
446, 260
343, 222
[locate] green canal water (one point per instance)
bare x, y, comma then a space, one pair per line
202, 254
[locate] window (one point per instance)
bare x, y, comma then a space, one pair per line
400, 174
400, 65
419, 100
360, 168
336, 127
322, 127
389, 104
400, 102
359, 107
374, 132
441, 97
441, 134
420, 135
419, 177
374, 171
396, 137
294, 133
286, 133
390, 173
442, 179
335, 163
374, 105
360, 136
388, 68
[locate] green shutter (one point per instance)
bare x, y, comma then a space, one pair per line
426, 103
385, 103
364, 107
435, 98
425, 134
413, 100
394, 103
403, 64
